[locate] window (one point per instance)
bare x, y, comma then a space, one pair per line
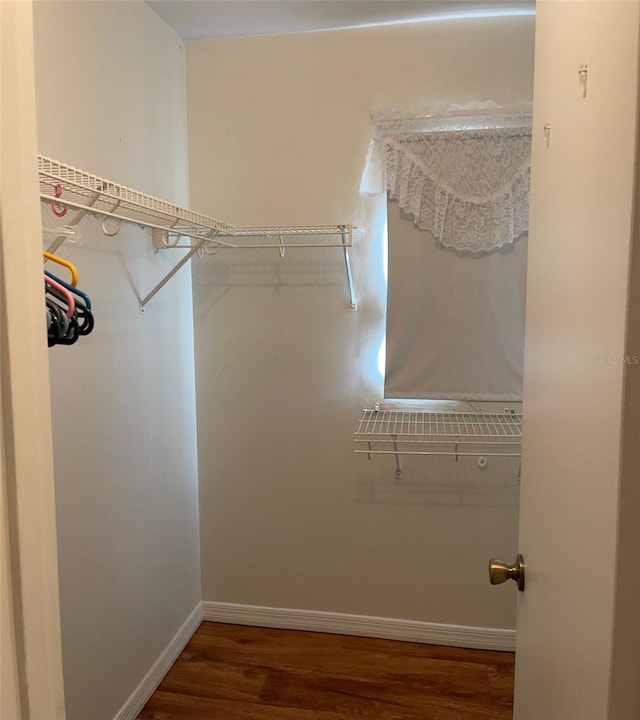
457, 218
455, 322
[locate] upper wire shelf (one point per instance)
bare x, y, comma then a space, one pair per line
65, 186
79, 186
399, 432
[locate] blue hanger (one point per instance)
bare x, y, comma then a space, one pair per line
70, 288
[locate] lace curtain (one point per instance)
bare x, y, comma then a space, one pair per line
462, 173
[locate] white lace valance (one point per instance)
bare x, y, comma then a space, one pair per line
463, 177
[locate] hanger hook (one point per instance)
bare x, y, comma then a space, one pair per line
59, 209
166, 242
281, 249
111, 233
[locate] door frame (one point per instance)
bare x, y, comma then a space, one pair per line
32, 680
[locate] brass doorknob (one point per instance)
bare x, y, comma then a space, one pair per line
500, 572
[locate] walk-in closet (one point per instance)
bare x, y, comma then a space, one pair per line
264, 414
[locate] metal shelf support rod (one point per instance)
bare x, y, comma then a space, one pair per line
398, 463
172, 272
347, 263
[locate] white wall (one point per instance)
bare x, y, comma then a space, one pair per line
290, 517
111, 100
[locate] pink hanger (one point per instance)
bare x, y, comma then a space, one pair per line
70, 301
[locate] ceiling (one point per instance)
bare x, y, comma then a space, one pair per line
199, 19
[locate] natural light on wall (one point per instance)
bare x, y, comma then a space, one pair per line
448, 17
372, 365
382, 351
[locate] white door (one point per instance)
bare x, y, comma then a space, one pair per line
576, 633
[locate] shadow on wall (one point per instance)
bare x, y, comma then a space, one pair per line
128, 253
214, 277
438, 480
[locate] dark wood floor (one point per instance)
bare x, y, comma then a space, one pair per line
231, 672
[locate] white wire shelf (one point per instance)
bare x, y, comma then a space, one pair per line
399, 432
66, 186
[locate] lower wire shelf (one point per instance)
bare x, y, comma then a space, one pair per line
399, 432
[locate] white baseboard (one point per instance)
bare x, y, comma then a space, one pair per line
140, 696
362, 625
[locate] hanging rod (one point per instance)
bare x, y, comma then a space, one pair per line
65, 185
450, 121
512, 112
509, 112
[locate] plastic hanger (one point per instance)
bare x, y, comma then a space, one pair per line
55, 329
71, 303
65, 263
83, 314
71, 334
57, 302
65, 330
70, 288
51, 326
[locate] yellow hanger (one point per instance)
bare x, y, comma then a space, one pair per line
66, 263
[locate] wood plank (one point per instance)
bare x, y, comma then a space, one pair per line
214, 680
241, 672
171, 706
383, 700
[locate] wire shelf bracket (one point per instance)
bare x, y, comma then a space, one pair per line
65, 185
